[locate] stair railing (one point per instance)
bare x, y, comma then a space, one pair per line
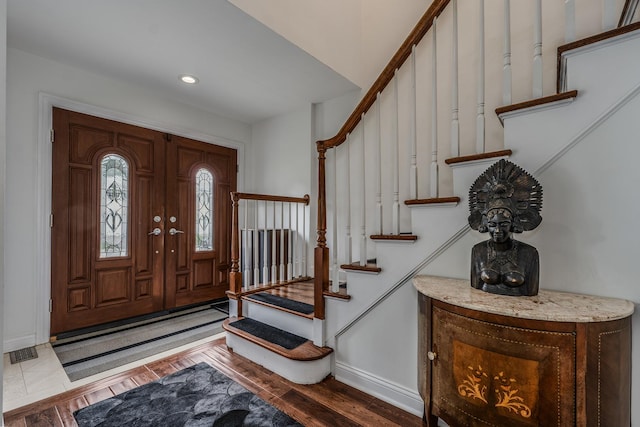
428, 116
269, 242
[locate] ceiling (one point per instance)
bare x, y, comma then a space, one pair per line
246, 71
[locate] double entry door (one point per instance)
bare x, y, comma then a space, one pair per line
141, 221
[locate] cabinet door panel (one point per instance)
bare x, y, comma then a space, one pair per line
495, 374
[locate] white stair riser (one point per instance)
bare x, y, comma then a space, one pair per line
299, 372
298, 325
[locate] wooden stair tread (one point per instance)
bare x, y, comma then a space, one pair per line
305, 352
481, 156
369, 268
395, 237
565, 96
338, 295
432, 201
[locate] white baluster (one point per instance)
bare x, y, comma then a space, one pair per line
282, 248
291, 248
506, 64
335, 272
609, 18
537, 50
455, 121
395, 214
379, 169
246, 248
363, 210
481, 65
413, 142
256, 247
265, 249
296, 245
348, 249
434, 112
569, 20
304, 241
274, 266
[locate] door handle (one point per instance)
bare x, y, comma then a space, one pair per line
173, 231
156, 232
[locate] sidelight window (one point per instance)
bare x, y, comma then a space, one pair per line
114, 206
204, 210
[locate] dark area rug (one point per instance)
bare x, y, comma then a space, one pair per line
195, 396
266, 332
279, 301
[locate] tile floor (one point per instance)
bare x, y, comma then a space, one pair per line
39, 378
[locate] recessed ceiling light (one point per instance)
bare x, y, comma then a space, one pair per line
189, 79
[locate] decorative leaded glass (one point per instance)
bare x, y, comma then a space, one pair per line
204, 210
114, 206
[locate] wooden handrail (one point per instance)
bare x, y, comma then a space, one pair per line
628, 12
270, 198
419, 31
321, 257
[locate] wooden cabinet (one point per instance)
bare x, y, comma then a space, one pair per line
555, 359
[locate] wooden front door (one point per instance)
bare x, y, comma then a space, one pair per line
128, 237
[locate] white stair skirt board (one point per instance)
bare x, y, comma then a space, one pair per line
293, 323
299, 372
394, 394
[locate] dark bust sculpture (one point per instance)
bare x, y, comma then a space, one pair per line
505, 200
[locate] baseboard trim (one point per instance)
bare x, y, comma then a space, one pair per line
19, 343
395, 394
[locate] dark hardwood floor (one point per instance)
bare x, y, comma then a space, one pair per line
329, 403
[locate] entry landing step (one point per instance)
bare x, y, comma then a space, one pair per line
288, 355
281, 342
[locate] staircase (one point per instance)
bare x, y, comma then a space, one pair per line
366, 335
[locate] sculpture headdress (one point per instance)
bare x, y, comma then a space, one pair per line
506, 186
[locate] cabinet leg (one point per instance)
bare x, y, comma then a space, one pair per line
428, 419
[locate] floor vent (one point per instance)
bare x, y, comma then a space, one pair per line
23, 354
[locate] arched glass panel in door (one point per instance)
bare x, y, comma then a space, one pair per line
114, 206
204, 210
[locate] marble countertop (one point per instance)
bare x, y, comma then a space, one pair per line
547, 305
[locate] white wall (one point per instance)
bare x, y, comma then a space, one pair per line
356, 38
585, 156
27, 76
3, 164
283, 157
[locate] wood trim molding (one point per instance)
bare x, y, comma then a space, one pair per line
270, 198
432, 201
336, 295
482, 156
395, 237
369, 268
386, 76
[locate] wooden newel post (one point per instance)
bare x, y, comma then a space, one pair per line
321, 256
235, 277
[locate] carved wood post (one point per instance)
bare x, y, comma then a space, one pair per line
321, 258
235, 287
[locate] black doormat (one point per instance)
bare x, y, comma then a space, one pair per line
95, 352
196, 396
266, 332
297, 306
